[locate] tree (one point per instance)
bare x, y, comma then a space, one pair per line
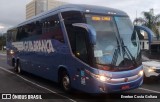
150, 20
2, 41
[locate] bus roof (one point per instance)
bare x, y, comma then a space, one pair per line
77, 7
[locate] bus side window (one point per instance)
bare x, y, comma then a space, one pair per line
20, 33
52, 29
9, 36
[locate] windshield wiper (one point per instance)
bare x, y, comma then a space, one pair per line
115, 55
126, 51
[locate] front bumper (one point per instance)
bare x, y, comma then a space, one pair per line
110, 88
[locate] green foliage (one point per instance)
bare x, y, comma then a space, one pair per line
150, 20
2, 40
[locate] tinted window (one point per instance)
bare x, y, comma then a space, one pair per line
77, 36
81, 44
30, 31
71, 17
51, 29
12, 34
48, 28
9, 36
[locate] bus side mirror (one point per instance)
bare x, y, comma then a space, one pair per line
91, 31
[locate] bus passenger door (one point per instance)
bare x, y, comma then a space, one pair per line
79, 46
82, 53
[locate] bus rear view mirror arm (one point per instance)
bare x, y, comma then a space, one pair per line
90, 29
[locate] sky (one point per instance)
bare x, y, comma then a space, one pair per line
12, 12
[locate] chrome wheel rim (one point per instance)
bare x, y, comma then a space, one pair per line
66, 82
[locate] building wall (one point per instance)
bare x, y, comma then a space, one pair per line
53, 4
41, 6
38, 6
30, 9
144, 44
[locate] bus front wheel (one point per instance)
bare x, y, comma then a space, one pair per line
65, 81
18, 67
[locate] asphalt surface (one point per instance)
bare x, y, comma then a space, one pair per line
10, 82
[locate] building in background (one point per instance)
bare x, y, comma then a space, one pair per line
158, 29
38, 6
144, 43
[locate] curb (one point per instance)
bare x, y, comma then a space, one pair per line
2, 54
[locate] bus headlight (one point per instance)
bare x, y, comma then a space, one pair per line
11, 52
140, 73
103, 78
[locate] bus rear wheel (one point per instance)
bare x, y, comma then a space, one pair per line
14, 64
65, 81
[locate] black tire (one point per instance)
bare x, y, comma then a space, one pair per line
65, 81
15, 66
18, 67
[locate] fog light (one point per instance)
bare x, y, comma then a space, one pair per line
141, 73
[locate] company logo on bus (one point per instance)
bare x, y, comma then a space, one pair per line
35, 46
126, 80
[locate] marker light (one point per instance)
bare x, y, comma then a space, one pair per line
140, 73
78, 53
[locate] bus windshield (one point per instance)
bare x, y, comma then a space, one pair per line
116, 42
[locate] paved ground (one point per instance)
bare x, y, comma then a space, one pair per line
11, 82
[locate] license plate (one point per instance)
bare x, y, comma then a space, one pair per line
125, 87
